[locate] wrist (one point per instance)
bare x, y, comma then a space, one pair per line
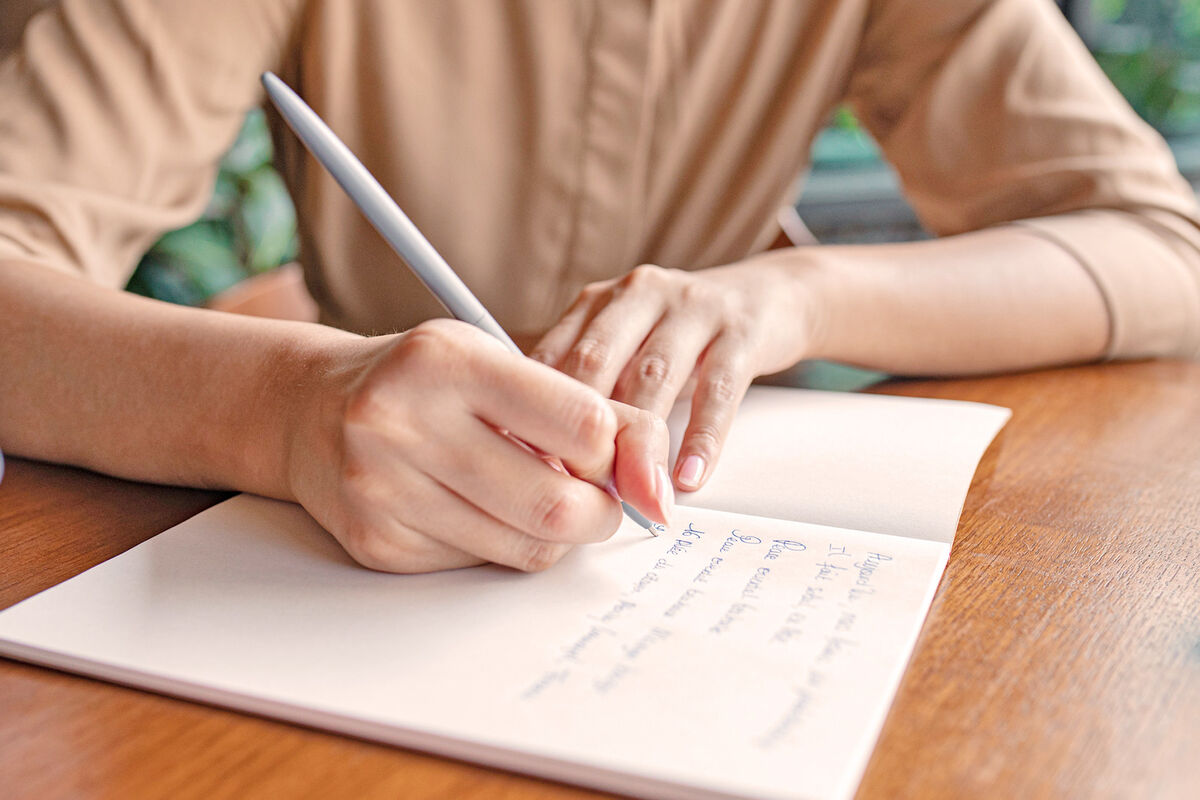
821, 290
296, 401
797, 295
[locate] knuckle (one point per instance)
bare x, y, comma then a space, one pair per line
654, 368
555, 512
363, 494
722, 387
644, 419
658, 426
593, 289
367, 545
706, 435
537, 554
432, 334
591, 294
436, 342
588, 357
643, 276
738, 327
439, 326
423, 347
648, 427
593, 420
397, 550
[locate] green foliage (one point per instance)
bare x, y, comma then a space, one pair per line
1151, 50
1109, 9
249, 227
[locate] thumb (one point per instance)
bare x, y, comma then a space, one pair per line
640, 464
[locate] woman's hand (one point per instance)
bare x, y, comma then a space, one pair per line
408, 456
641, 337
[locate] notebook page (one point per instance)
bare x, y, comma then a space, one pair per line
736, 656
896, 465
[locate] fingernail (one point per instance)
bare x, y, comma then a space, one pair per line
666, 495
691, 471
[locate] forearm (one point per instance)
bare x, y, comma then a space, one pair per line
146, 390
990, 301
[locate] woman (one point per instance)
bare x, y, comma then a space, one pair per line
627, 155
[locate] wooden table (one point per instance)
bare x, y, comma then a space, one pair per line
1061, 657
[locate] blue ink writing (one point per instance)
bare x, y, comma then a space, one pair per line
781, 546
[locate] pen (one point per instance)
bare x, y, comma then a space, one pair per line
394, 225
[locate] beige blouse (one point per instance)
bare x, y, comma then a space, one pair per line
542, 144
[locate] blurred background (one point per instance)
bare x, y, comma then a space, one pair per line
1149, 48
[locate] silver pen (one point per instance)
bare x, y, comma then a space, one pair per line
394, 225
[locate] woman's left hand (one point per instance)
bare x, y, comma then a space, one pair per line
641, 337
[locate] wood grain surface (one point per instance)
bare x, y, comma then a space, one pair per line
1061, 657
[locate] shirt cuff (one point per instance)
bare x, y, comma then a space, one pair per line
1148, 271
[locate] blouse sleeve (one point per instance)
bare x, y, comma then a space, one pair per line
113, 117
993, 113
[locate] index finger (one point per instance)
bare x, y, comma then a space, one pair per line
544, 408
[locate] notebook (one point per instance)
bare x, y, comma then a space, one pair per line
751, 650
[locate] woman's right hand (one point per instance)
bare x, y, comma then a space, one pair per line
401, 453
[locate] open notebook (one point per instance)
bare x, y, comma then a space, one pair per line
751, 651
